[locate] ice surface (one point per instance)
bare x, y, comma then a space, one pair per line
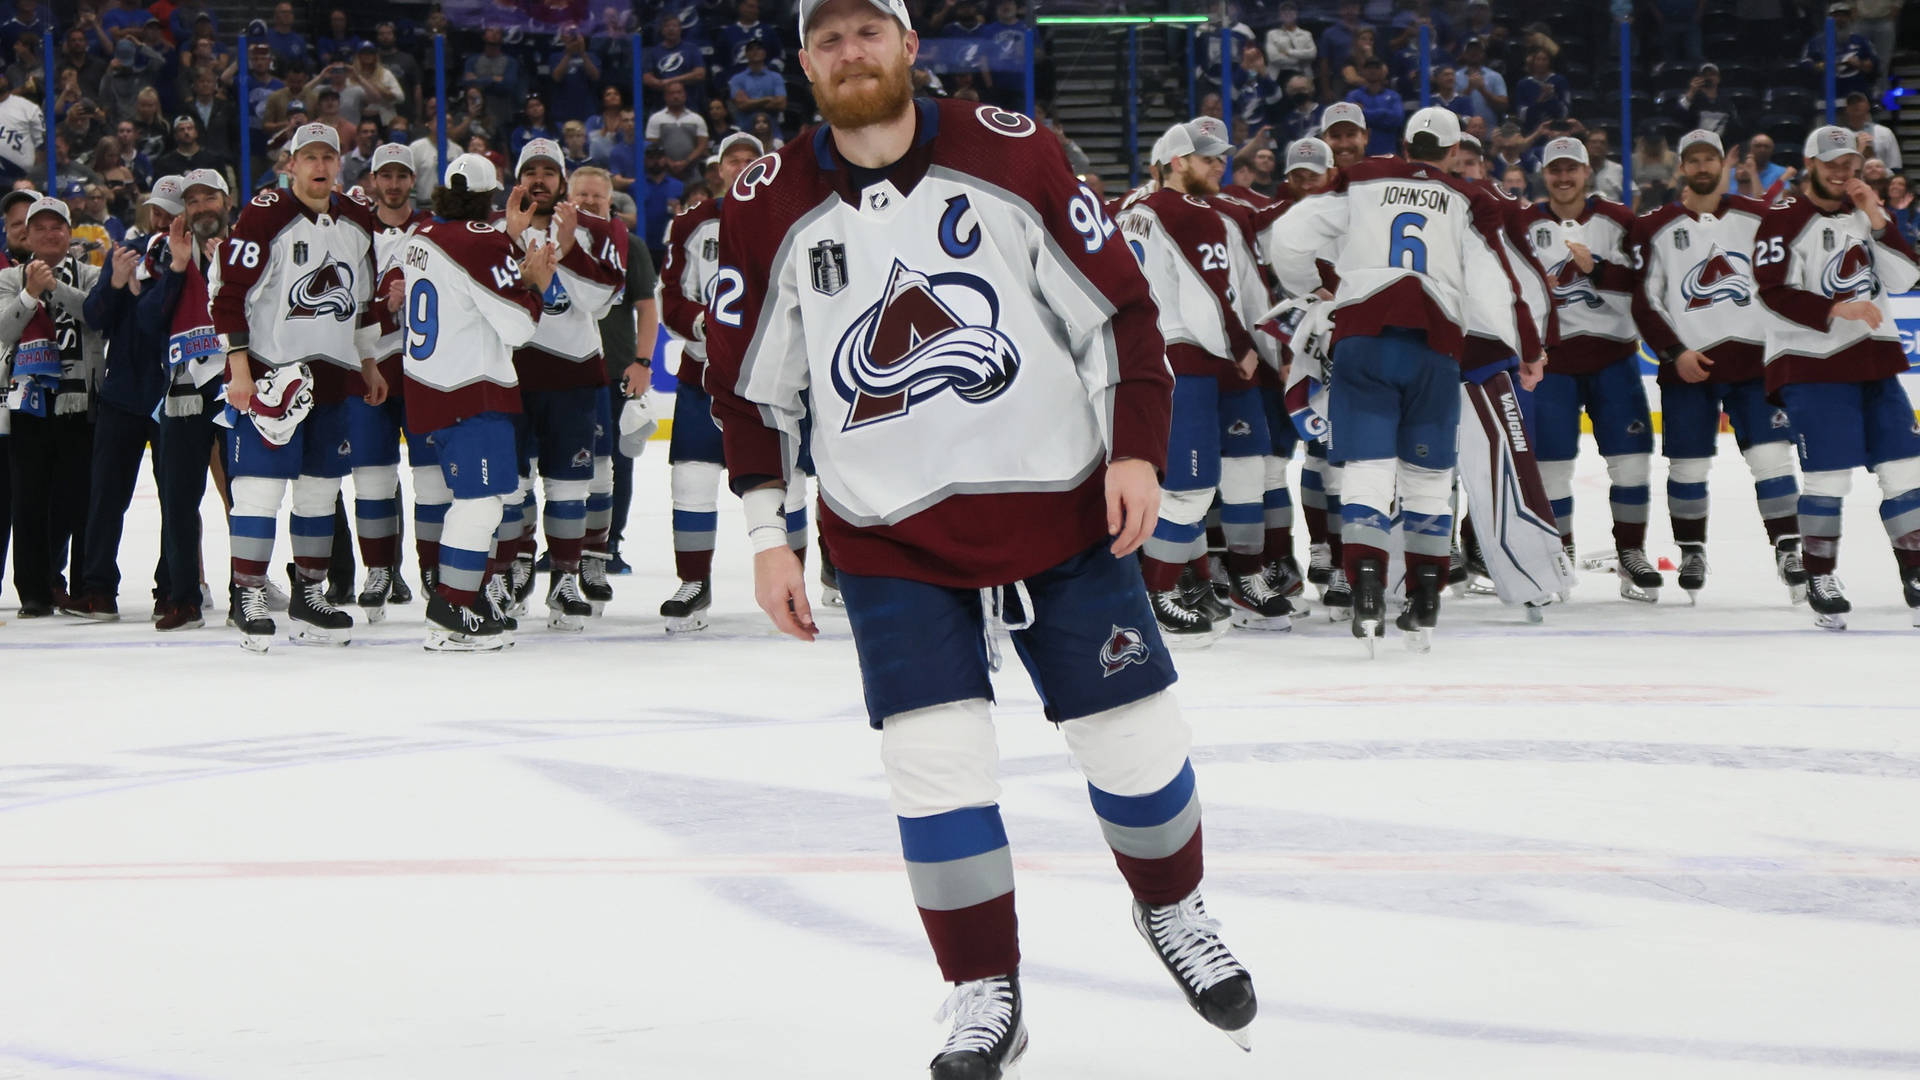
1631, 842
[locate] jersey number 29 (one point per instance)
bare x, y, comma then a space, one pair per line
423, 319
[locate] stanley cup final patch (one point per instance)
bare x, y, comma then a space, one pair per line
828, 261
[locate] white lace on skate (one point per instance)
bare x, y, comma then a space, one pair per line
1826, 588
686, 594
253, 604
379, 583
1190, 941
593, 570
982, 1014
1173, 611
316, 594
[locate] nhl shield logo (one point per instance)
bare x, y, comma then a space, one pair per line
1680, 239
1826, 239
299, 253
710, 250
1542, 236
1124, 647
828, 260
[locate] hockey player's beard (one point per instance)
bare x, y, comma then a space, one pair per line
1703, 184
208, 225
1821, 190
849, 108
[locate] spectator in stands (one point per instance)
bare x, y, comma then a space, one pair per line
1300, 110
755, 88
1677, 29
1006, 42
1485, 87
611, 43
534, 124
659, 199
1877, 21
124, 19
746, 28
217, 122
720, 120
1608, 177
106, 162
380, 93
74, 54
680, 133
1257, 98
1758, 172
1414, 14
187, 14
616, 148
956, 18
329, 112
26, 69
188, 154
1543, 94
150, 125
1654, 166
575, 75
767, 131
1290, 47
1855, 64
471, 116
1513, 181
1353, 74
1904, 208
496, 74
1385, 110
287, 43
261, 83
1875, 140
673, 59
1336, 46
1448, 94
277, 116
405, 67
1266, 172
482, 145
83, 125
1704, 108
339, 43
1077, 160
1874, 172
359, 156
347, 99
611, 102
27, 17
573, 142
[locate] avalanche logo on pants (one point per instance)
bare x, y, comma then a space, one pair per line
1124, 646
915, 343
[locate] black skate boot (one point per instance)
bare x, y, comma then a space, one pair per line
1457, 567
1693, 569
429, 579
374, 593
988, 1034
1479, 580
1369, 602
520, 583
1638, 579
1256, 606
829, 582
1181, 625
1283, 577
1188, 943
567, 607
462, 629
686, 609
1219, 579
1910, 589
316, 619
1793, 572
496, 600
1828, 601
1199, 596
247, 612
401, 593
1338, 597
1320, 567
1421, 613
593, 580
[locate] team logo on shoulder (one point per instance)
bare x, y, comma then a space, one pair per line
925, 335
1849, 275
755, 176
327, 289
1570, 286
1001, 122
1125, 646
828, 262
1722, 275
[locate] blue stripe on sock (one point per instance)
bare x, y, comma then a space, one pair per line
1145, 811
1629, 496
956, 834
1367, 516
1175, 533
1310, 481
695, 520
1686, 492
1562, 509
376, 508
1424, 525
1275, 500
310, 526
1779, 487
1819, 506
253, 528
1904, 503
1242, 514
599, 502
430, 513
462, 559
567, 509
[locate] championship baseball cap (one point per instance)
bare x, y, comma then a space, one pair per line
1442, 124
1213, 126
895, 8
1467, 140
391, 154
1565, 148
204, 178
538, 149
26, 195
739, 138
474, 172
309, 134
1830, 142
1343, 112
47, 203
1158, 156
1702, 137
1308, 153
1192, 137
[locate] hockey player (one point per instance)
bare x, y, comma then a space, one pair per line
1594, 366
290, 302
1696, 309
1219, 441
990, 406
375, 429
1825, 265
472, 295
562, 375
1410, 238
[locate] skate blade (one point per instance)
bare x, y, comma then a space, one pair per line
1481, 587
1342, 613
1830, 622
1418, 641
1535, 614
1797, 594
1300, 611
1693, 597
1253, 620
374, 614
598, 606
256, 643
517, 609
194, 625
314, 635
687, 625
1630, 591
1242, 1038
447, 641
1184, 642
565, 623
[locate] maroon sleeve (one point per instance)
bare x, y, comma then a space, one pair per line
1516, 232
605, 259
1654, 328
492, 259
748, 235
244, 256
1192, 229
1614, 271
1895, 239
677, 310
1809, 309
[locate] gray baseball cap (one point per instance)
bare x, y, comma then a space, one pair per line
895, 8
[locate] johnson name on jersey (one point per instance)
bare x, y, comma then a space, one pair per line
466, 311
292, 286
1805, 261
1697, 287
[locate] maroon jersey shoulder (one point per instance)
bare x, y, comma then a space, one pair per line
1185, 216
693, 217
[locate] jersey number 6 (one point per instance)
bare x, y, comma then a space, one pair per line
1407, 252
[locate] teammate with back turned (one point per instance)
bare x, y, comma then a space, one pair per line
1695, 307
1594, 366
990, 401
290, 302
1409, 239
1825, 264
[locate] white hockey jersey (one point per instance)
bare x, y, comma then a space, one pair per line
467, 310
1805, 261
1697, 288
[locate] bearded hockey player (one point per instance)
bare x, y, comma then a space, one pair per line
990, 402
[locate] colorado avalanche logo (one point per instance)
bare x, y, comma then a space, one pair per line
1722, 275
327, 289
1570, 286
1849, 275
1124, 646
927, 334
555, 300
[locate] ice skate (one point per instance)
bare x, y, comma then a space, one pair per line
429, 579
1421, 612
1827, 598
1283, 577
373, 595
988, 1035
1199, 596
461, 629
1219, 578
497, 600
519, 584
1369, 611
1693, 570
1256, 606
316, 619
1639, 581
277, 599
247, 612
567, 607
829, 582
685, 611
1188, 943
1181, 625
1457, 570
400, 593
593, 580
1910, 589
1338, 597
1793, 572
1479, 579
1320, 567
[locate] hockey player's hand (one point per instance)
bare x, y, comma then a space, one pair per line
1859, 311
519, 212
1863, 196
397, 294
1133, 504
635, 380
240, 385
1248, 365
376, 382
537, 267
1531, 372
780, 587
566, 218
1582, 256
1693, 366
